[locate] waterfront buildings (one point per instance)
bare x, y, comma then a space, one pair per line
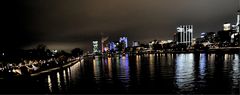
124, 41
135, 44
237, 25
112, 46
235, 36
104, 42
95, 47
185, 34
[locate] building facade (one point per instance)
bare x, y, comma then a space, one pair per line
185, 34
135, 44
124, 41
95, 47
112, 46
104, 43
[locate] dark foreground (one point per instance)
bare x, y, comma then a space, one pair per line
150, 73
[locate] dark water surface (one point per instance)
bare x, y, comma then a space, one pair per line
149, 73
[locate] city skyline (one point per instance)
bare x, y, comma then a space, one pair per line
78, 23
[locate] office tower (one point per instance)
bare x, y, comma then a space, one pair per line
185, 34
95, 46
124, 41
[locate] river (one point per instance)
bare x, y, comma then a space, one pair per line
150, 73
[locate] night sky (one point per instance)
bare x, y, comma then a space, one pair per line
67, 24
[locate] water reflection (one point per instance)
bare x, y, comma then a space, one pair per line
124, 70
236, 72
168, 73
49, 83
185, 72
59, 81
151, 66
202, 66
64, 76
211, 65
109, 64
96, 68
138, 65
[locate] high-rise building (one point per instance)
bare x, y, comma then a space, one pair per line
95, 47
104, 42
226, 26
235, 37
185, 34
124, 40
203, 34
237, 25
112, 46
135, 44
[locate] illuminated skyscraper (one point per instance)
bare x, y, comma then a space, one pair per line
235, 35
237, 25
104, 42
185, 34
238, 21
95, 47
226, 26
135, 44
124, 40
112, 46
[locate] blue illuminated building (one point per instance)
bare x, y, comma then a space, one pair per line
124, 40
112, 46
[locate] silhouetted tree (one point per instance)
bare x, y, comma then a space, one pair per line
41, 51
41, 47
157, 47
120, 46
198, 46
77, 52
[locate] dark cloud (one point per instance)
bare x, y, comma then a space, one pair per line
66, 24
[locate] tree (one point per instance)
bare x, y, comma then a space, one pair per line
77, 52
41, 51
120, 46
41, 47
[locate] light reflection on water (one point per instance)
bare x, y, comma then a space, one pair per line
64, 77
202, 66
96, 68
49, 83
138, 65
58, 81
124, 68
109, 64
236, 72
184, 73
151, 66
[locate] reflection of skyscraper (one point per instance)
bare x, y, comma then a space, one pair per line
185, 34
124, 40
184, 74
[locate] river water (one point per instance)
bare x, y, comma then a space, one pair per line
150, 73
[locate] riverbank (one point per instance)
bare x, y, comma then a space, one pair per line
54, 69
43, 72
